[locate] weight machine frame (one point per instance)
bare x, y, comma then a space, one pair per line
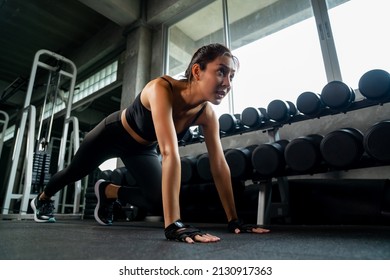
29, 114
5, 125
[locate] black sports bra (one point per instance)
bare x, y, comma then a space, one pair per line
140, 119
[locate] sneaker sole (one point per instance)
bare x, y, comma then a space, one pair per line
32, 204
97, 184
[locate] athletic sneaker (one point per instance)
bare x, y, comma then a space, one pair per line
104, 207
43, 210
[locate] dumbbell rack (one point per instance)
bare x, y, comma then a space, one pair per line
272, 127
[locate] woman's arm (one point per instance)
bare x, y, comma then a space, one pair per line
219, 167
221, 173
159, 98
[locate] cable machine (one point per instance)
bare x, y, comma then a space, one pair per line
4, 124
28, 177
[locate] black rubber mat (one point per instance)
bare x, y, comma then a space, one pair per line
86, 240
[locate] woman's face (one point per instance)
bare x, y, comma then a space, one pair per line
216, 79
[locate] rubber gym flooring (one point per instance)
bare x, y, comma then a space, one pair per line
76, 239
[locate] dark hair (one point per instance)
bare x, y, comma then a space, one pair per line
205, 55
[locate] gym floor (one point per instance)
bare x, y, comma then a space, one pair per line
76, 239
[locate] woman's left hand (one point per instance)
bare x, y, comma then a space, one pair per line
238, 226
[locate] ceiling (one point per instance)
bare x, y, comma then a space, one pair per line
27, 26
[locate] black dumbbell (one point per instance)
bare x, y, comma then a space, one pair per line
377, 141
375, 84
203, 167
229, 123
188, 136
254, 117
303, 154
309, 103
342, 148
105, 175
337, 95
281, 111
188, 169
239, 161
118, 176
268, 159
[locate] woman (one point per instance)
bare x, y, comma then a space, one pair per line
161, 113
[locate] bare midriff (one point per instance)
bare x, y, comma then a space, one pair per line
131, 131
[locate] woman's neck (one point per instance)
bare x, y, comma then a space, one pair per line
190, 95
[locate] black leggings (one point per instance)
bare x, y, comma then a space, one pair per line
110, 140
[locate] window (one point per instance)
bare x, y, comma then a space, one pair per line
186, 36
203, 27
277, 45
97, 81
280, 48
360, 31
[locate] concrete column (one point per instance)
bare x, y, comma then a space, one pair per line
136, 70
137, 60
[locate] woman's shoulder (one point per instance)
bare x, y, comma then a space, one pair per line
207, 114
170, 79
158, 87
167, 82
161, 81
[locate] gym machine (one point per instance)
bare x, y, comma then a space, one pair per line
29, 174
4, 125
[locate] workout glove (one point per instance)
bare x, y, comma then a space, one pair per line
238, 223
179, 231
